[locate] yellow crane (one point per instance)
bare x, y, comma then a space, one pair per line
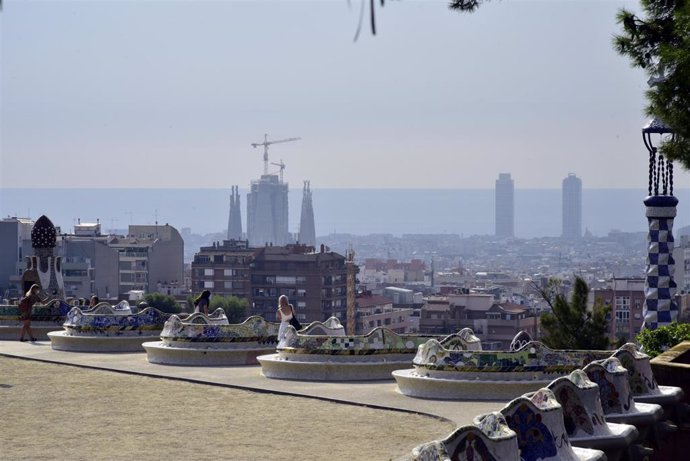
267, 143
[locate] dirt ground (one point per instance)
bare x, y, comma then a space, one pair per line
66, 413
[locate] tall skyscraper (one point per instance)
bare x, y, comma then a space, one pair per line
505, 206
307, 233
572, 207
235, 216
267, 212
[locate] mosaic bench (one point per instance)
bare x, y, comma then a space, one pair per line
643, 385
441, 373
108, 328
538, 422
490, 438
616, 399
585, 422
343, 358
207, 341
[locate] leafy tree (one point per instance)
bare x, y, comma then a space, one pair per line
164, 303
465, 5
660, 44
570, 325
657, 341
235, 308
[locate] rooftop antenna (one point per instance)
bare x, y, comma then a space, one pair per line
267, 143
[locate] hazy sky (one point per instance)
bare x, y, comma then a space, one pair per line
172, 93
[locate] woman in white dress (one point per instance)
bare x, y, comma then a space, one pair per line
284, 314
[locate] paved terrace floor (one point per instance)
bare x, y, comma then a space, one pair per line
377, 394
65, 405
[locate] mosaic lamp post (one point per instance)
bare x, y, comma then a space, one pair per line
660, 307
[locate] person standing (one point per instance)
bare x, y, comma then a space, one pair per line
94, 301
286, 316
26, 304
202, 302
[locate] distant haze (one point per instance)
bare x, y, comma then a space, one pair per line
356, 211
170, 94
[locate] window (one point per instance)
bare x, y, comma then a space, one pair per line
208, 272
285, 280
228, 272
622, 303
228, 285
208, 283
622, 316
301, 304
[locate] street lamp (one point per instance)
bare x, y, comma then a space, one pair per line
660, 169
660, 307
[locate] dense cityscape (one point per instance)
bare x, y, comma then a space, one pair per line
409, 283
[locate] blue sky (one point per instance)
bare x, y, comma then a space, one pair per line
172, 93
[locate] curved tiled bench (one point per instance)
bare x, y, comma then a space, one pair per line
616, 399
342, 358
538, 422
584, 418
108, 329
643, 386
489, 438
205, 341
440, 373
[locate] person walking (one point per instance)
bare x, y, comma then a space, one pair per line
202, 302
26, 304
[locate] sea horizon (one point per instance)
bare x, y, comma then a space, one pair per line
358, 211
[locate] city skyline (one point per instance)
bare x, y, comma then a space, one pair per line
430, 101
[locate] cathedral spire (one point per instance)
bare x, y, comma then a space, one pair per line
235, 216
307, 233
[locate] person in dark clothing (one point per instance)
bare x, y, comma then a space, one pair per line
202, 302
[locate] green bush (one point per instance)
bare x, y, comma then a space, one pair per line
164, 303
235, 308
657, 341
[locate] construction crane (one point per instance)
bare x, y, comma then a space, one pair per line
267, 143
282, 167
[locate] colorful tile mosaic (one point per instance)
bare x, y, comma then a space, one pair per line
378, 341
538, 423
582, 411
106, 321
253, 329
52, 311
615, 395
533, 357
640, 376
489, 440
331, 327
